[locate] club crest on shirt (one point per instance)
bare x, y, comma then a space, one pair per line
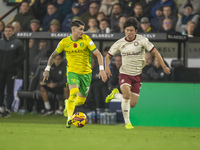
81, 44
136, 43
75, 45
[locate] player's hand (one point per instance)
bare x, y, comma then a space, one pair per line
102, 75
108, 72
166, 70
45, 75
43, 83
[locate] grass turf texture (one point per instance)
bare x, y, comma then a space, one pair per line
33, 132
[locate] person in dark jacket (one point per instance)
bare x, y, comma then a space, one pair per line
76, 11
146, 26
39, 9
64, 8
117, 12
55, 84
113, 81
93, 11
11, 58
149, 59
52, 13
157, 73
24, 16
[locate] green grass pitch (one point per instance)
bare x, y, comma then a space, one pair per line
32, 132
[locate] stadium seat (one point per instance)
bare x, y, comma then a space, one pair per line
176, 63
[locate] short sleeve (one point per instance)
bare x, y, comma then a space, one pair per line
147, 45
114, 49
60, 47
91, 45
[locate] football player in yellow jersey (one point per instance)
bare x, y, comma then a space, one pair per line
78, 48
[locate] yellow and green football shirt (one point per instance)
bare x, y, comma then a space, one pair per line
78, 53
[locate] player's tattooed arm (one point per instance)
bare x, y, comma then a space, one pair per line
51, 58
49, 63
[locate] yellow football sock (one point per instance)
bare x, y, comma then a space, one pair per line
71, 101
80, 101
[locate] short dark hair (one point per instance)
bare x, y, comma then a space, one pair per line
52, 4
9, 26
118, 4
106, 20
132, 21
76, 23
138, 4
25, 2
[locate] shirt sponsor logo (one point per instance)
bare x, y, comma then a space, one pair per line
74, 51
131, 53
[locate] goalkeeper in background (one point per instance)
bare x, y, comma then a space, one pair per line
78, 48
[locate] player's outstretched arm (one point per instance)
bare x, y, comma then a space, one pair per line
107, 62
158, 56
102, 73
48, 67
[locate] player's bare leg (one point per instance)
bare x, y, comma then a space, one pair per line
48, 110
125, 105
133, 99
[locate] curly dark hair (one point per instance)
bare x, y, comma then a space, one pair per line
132, 21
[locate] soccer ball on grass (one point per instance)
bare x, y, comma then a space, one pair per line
79, 119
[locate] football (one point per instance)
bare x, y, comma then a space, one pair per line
79, 119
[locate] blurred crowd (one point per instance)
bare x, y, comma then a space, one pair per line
102, 16
105, 16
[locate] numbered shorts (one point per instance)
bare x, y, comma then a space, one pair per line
83, 81
133, 81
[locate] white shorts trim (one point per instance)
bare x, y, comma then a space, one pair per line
136, 94
125, 84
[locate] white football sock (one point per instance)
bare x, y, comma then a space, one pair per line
125, 105
118, 96
1, 109
47, 105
